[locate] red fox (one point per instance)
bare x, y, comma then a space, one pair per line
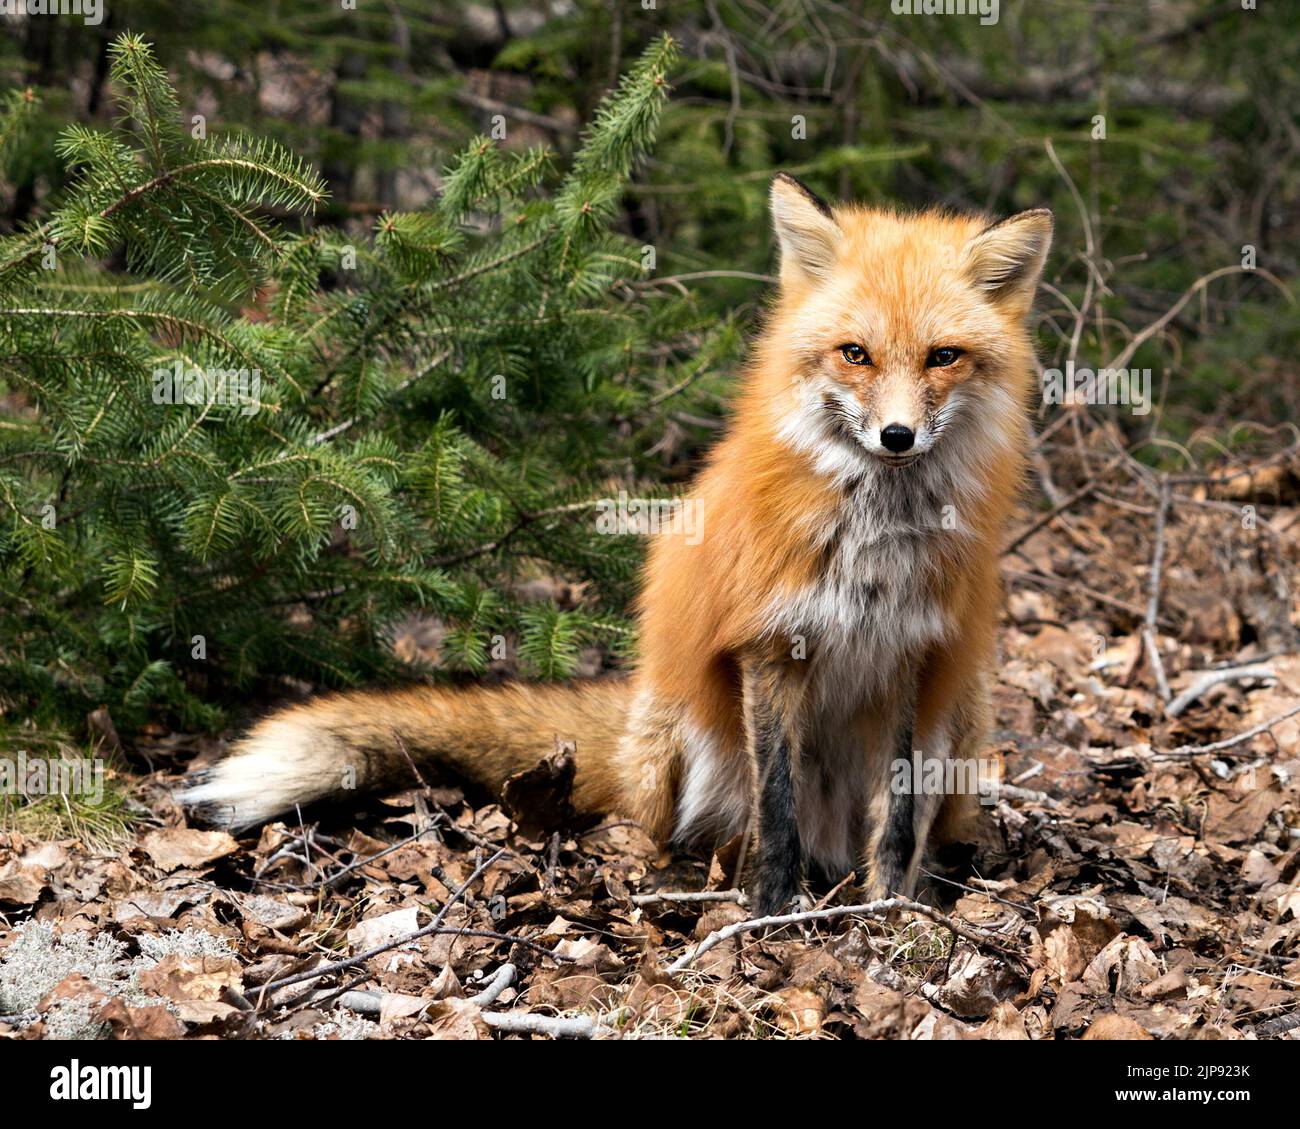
836, 616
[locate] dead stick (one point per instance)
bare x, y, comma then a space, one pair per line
997, 790
1279, 1026
1043, 578
331, 879
1211, 678
556, 1026
1061, 506
409, 759
371, 1003
504, 977
878, 909
826, 900
1230, 742
319, 998
1153, 594
696, 896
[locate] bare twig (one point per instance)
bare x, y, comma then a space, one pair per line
306, 839
1153, 594
363, 1003
371, 1003
519, 113
1049, 581
556, 1026
830, 894
999, 791
687, 896
692, 276
1089, 255
1209, 678
331, 879
1278, 1026
1026, 910
505, 976
1229, 742
1063, 505
320, 998
877, 909
415, 771
1125, 355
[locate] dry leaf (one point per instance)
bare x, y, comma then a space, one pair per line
21, 885
1112, 1026
170, 848
191, 978
457, 1019
376, 931
799, 1011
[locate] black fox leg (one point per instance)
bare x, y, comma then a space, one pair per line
898, 836
769, 705
925, 809
934, 752
912, 812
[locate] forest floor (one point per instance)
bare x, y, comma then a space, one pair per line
1128, 880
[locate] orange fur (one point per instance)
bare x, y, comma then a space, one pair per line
896, 287
778, 502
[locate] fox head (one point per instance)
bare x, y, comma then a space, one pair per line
891, 333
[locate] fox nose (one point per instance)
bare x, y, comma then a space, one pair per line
898, 438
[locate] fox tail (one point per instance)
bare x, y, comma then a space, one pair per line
364, 741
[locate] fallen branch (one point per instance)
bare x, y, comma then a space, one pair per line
505, 976
1044, 579
1138, 339
1153, 594
1278, 1026
878, 909
371, 1003
556, 1026
1061, 506
1209, 678
1229, 742
698, 896
329, 880
320, 997
363, 1003
999, 791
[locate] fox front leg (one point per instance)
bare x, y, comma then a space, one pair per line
890, 869
771, 697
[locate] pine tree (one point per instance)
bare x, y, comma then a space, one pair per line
235, 446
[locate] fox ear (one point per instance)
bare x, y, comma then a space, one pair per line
1006, 259
805, 229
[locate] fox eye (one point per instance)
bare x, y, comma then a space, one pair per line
855, 354
942, 357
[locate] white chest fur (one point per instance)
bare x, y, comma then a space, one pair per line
871, 609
